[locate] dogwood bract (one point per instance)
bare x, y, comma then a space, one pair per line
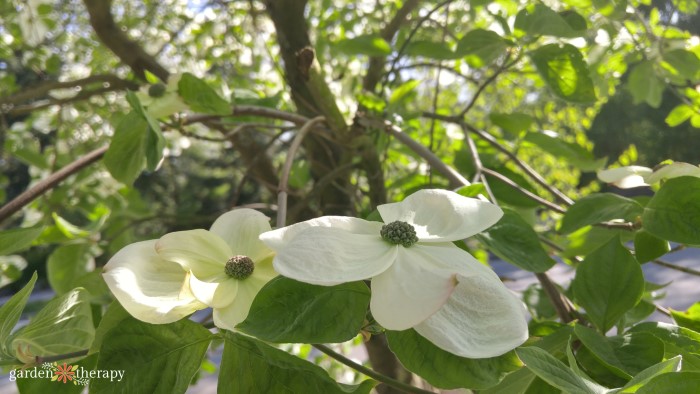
161, 281
420, 279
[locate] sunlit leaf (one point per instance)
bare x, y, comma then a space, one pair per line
563, 69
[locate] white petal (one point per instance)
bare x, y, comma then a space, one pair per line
234, 313
200, 251
481, 319
412, 289
441, 215
148, 287
240, 229
313, 252
264, 270
625, 177
673, 170
215, 294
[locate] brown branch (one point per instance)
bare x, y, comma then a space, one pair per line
42, 89
676, 267
527, 193
49, 183
566, 311
504, 66
117, 41
83, 95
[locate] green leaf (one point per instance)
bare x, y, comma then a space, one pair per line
515, 241
155, 142
648, 247
674, 212
677, 340
685, 62
645, 86
674, 382
33, 386
67, 264
556, 373
625, 355
155, 358
371, 45
18, 239
599, 207
10, 313
538, 303
505, 194
125, 157
563, 69
305, 313
481, 47
64, 325
540, 20
513, 123
608, 283
472, 190
679, 114
429, 49
689, 319
200, 97
642, 378
403, 92
574, 154
255, 367
114, 315
446, 370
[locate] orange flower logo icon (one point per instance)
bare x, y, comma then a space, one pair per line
64, 373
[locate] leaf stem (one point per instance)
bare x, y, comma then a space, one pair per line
59, 357
369, 372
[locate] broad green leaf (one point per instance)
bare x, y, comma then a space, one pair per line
608, 283
18, 239
679, 114
481, 47
642, 378
64, 325
574, 154
674, 212
540, 20
155, 358
200, 97
677, 340
305, 313
67, 264
516, 242
556, 373
689, 319
472, 190
505, 193
587, 239
125, 157
599, 207
685, 62
625, 355
644, 85
402, 92
253, 367
446, 370
565, 72
513, 123
10, 313
673, 382
114, 315
429, 49
67, 228
371, 45
33, 386
648, 247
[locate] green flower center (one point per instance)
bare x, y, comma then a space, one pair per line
157, 90
399, 233
239, 267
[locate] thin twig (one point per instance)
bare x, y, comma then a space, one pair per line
676, 267
566, 311
527, 193
369, 372
504, 66
49, 183
284, 179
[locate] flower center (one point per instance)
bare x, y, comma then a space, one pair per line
239, 267
157, 90
399, 233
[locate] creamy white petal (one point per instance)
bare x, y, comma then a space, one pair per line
412, 289
217, 293
264, 270
240, 229
148, 287
279, 238
234, 313
625, 177
481, 319
673, 170
329, 255
441, 215
200, 251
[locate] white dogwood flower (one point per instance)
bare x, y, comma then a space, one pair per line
634, 176
420, 279
164, 280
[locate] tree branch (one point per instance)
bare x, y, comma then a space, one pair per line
42, 89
